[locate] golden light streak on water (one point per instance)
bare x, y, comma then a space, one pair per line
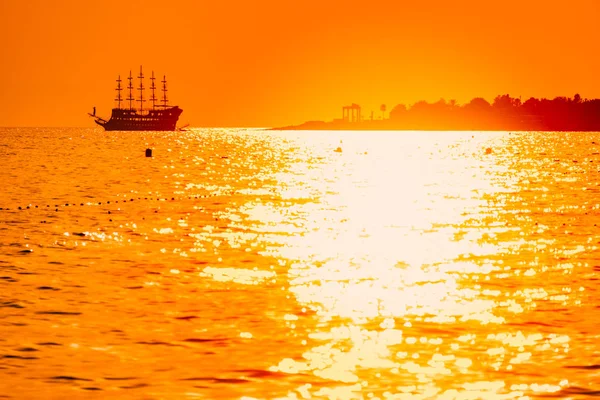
255, 264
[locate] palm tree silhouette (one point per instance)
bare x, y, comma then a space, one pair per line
383, 108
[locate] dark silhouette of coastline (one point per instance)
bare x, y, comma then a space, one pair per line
505, 113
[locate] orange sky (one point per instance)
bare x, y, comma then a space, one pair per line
271, 63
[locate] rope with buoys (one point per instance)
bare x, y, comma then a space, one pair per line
148, 153
111, 202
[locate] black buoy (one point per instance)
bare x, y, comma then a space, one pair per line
148, 152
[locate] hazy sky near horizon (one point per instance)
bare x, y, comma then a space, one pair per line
273, 63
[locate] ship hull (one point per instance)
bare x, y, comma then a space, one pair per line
152, 120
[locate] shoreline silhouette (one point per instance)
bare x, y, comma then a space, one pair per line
504, 113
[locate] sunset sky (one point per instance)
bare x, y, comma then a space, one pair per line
273, 63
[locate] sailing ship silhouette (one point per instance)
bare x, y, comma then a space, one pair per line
161, 117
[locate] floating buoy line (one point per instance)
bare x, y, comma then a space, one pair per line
56, 207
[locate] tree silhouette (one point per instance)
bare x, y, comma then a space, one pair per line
398, 111
505, 113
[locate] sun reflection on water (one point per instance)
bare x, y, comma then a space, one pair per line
258, 264
409, 236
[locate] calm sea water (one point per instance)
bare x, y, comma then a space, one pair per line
296, 265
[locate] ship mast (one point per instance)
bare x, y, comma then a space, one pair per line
118, 89
153, 88
141, 89
130, 87
164, 90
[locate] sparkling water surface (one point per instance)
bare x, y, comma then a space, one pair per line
239, 263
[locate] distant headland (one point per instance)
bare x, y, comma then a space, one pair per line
504, 113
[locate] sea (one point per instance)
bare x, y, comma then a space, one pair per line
259, 264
